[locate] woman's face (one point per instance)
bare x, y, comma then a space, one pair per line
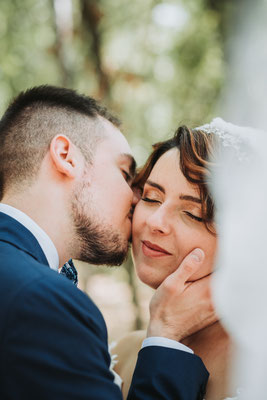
167, 224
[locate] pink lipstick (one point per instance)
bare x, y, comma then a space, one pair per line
153, 250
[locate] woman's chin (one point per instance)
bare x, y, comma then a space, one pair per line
149, 278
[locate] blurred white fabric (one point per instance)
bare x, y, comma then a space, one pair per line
240, 190
239, 185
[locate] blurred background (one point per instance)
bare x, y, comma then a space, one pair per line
156, 64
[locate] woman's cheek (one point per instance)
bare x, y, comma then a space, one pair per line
136, 233
139, 218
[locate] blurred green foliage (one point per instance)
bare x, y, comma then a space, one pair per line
157, 64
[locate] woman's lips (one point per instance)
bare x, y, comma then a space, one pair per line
152, 250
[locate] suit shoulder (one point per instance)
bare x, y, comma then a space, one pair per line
29, 286
20, 272
52, 290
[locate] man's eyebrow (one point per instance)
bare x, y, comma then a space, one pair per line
155, 185
189, 198
132, 168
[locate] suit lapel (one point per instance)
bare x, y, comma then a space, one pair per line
13, 232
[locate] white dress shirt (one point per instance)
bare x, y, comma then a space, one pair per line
51, 254
165, 342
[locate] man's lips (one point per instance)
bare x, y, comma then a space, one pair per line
153, 250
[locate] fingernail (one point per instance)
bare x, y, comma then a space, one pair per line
198, 255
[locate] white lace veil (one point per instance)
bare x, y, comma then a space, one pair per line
239, 187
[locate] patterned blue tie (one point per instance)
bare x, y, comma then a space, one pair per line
70, 272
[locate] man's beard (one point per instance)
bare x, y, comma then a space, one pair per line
98, 243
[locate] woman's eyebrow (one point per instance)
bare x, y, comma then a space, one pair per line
190, 198
181, 197
155, 185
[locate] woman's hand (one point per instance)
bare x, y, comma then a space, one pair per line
180, 308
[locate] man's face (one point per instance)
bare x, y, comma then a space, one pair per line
103, 200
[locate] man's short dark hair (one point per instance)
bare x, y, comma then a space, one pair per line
34, 118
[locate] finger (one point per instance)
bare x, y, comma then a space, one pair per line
201, 284
190, 264
204, 281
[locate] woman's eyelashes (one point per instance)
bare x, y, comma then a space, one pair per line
187, 213
194, 217
151, 196
154, 199
148, 200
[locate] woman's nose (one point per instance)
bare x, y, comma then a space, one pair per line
159, 222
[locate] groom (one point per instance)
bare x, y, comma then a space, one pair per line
65, 178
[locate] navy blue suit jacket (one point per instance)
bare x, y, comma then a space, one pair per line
53, 339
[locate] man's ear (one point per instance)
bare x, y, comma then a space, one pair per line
64, 155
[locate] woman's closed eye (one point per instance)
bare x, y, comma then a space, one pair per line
149, 200
193, 216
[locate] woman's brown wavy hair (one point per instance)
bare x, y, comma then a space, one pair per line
196, 148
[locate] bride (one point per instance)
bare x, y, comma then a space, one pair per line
175, 215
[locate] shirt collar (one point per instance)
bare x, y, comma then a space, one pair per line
43, 239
